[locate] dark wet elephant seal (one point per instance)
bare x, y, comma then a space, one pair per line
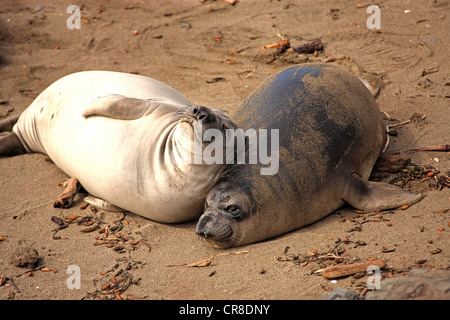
330, 135
128, 139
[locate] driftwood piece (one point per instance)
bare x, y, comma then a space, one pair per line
440, 147
65, 200
310, 47
348, 269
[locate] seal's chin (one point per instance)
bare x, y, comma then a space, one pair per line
219, 244
216, 230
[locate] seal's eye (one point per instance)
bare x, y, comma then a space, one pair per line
234, 211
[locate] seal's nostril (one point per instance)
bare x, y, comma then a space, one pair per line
201, 229
195, 110
203, 234
203, 114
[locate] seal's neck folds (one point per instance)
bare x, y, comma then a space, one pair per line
191, 144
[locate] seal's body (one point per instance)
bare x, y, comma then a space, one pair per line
118, 134
330, 135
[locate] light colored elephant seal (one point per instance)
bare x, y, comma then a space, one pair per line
330, 135
128, 139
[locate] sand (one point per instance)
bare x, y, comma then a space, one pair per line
212, 53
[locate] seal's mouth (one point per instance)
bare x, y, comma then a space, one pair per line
216, 230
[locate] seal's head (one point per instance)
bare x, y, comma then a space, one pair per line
226, 221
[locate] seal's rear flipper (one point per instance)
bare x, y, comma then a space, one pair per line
120, 107
10, 145
8, 123
369, 195
102, 204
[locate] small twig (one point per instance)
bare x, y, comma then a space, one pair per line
429, 96
398, 124
388, 127
206, 262
282, 43
428, 71
387, 115
440, 147
387, 141
32, 270
228, 253
14, 285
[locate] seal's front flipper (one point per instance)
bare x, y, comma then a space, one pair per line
369, 195
120, 107
102, 204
